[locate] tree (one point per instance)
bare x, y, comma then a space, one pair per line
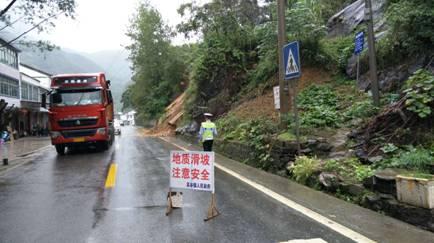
40, 14
33, 11
158, 67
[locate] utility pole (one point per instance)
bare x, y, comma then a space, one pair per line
283, 85
369, 18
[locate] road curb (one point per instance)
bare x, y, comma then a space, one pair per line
5, 170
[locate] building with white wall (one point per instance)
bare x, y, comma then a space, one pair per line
9, 74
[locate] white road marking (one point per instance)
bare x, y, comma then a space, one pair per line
347, 232
316, 240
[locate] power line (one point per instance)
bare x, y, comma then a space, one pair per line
34, 27
10, 24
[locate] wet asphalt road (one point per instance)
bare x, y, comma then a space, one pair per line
63, 199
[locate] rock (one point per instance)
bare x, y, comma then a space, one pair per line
321, 140
325, 147
353, 189
312, 142
289, 165
347, 20
385, 182
362, 156
306, 151
392, 78
329, 180
369, 182
375, 159
344, 22
339, 154
282, 173
190, 129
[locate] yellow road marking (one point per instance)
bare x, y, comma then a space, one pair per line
341, 229
111, 176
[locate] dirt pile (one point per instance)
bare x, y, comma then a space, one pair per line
168, 122
260, 103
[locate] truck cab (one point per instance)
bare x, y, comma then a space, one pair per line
80, 111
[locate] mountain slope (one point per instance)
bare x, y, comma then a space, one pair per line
58, 61
112, 62
117, 67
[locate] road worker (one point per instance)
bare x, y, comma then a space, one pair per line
207, 132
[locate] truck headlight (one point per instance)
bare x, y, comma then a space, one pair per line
101, 131
55, 134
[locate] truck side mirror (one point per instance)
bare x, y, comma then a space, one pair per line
44, 100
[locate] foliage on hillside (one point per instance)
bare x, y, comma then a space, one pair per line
158, 67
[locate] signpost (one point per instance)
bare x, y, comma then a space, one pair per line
283, 84
292, 68
359, 43
192, 170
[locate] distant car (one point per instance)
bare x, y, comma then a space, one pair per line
121, 123
117, 127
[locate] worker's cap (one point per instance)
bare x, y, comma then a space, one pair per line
207, 114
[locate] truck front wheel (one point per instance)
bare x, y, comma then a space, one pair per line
104, 145
60, 148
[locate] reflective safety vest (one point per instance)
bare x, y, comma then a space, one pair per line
209, 129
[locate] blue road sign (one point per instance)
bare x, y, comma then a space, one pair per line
359, 42
291, 60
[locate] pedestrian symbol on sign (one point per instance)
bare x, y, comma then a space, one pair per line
291, 61
291, 65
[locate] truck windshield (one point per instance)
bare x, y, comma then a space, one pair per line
76, 97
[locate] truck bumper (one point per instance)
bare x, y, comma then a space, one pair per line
72, 137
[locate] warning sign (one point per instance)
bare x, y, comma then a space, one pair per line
292, 63
192, 170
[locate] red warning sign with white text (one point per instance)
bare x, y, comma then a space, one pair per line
192, 170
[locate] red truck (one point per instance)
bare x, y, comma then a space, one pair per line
80, 111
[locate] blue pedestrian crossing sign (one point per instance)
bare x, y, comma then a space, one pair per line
291, 60
359, 42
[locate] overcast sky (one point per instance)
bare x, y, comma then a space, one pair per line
101, 24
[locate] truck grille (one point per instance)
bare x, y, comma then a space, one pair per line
79, 133
79, 122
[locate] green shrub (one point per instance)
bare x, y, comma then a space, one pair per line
349, 168
362, 172
316, 95
254, 133
320, 116
411, 25
338, 51
319, 106
331, 165
420, 93
389, 148
304, 168
419, 159
361, 109
286, 136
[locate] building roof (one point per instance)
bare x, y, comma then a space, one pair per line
35, 69
6, 43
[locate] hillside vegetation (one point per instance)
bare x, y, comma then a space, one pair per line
230, 72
